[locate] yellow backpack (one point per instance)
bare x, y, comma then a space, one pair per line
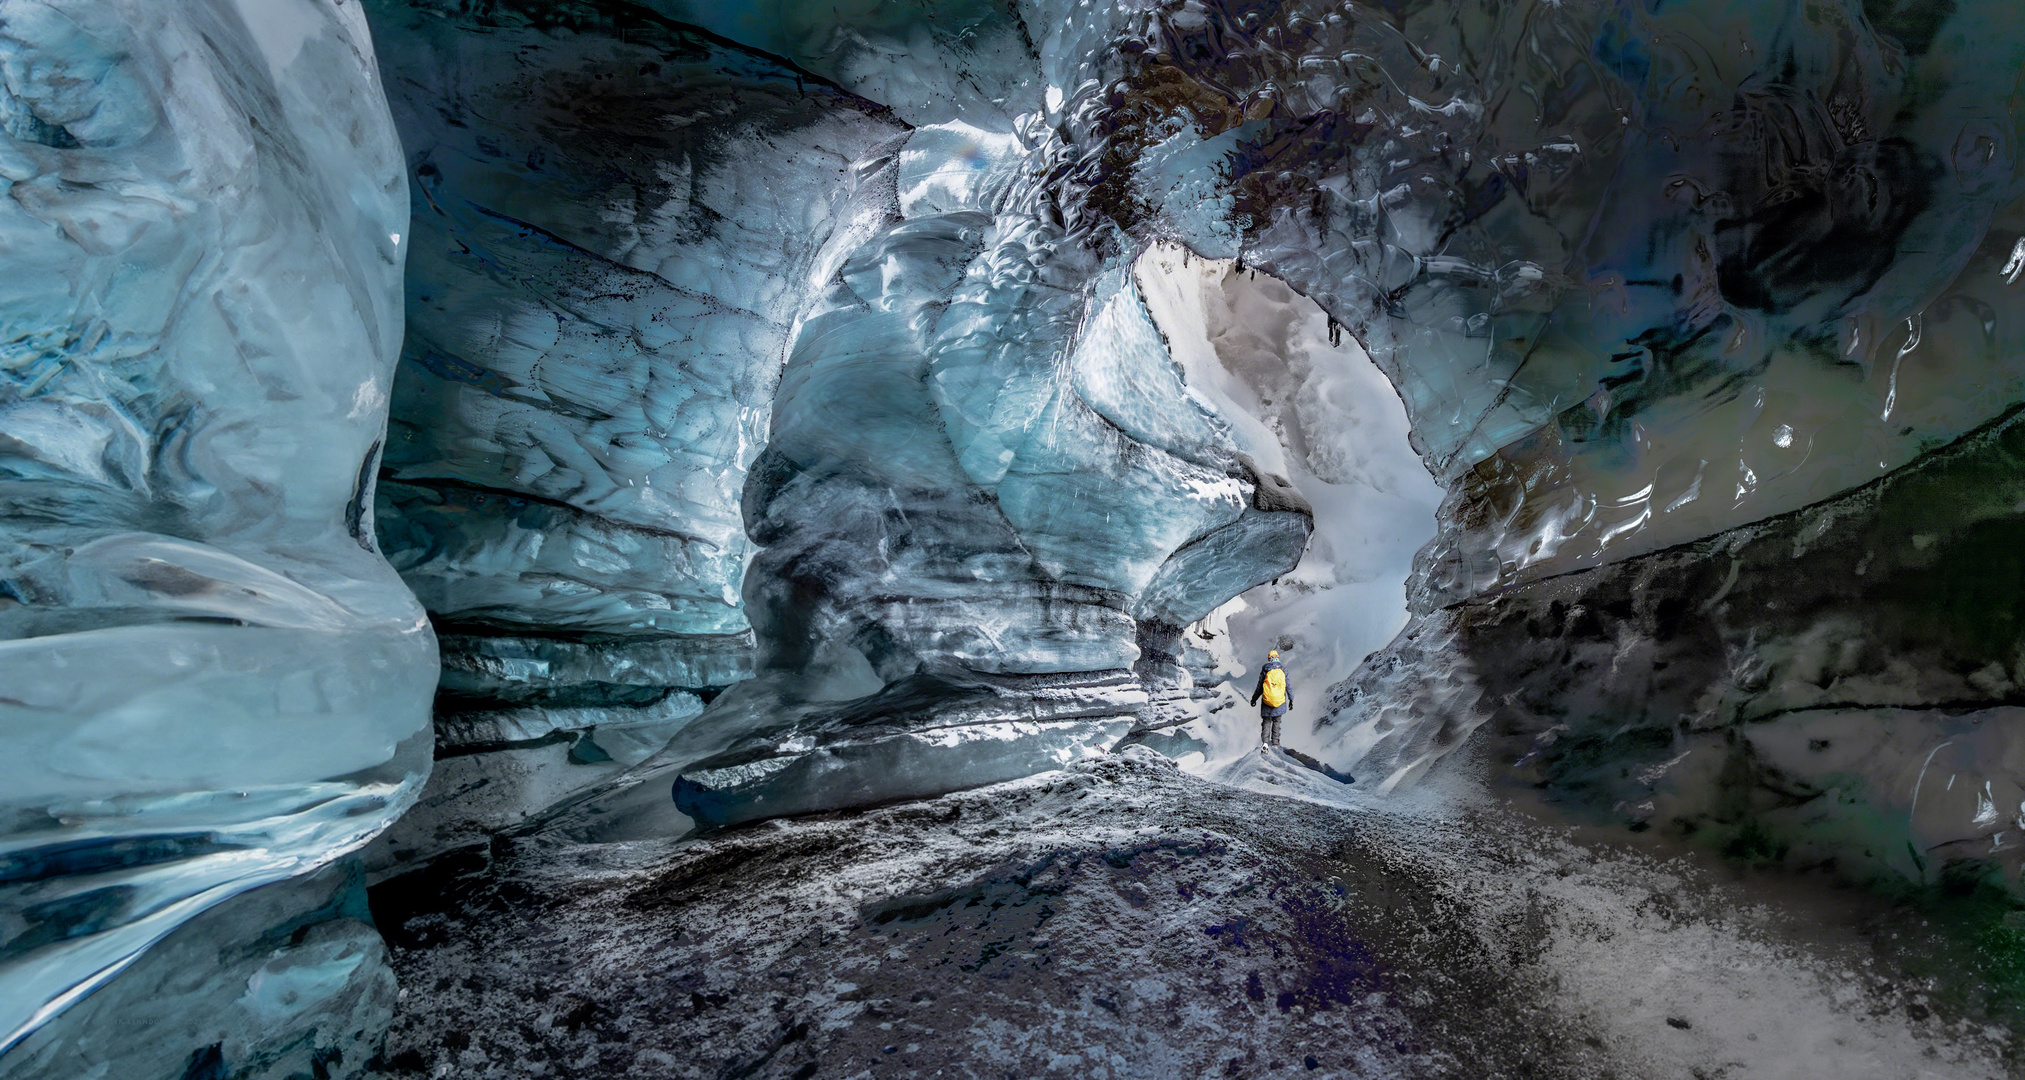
1276, 688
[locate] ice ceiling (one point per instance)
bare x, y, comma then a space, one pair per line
810, 405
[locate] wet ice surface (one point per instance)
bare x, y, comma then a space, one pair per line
209, 678
1122, 919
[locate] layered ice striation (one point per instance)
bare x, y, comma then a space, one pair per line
973, 61
677, 303
1639, 278
1638, 275
614, 216
808, 406
209, 677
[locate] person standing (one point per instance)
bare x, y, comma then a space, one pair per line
1273, 697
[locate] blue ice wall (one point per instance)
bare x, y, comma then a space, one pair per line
779, 409
626, 290
1706, 316
210, 679
1639, 272
986, 485
615, 217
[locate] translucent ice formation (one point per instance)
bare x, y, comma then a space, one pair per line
989, 489
209, 678
287, 980
804, 400
645, 255
1639, 277
801, 405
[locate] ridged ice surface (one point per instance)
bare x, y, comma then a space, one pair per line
987, 485
1638, 278
804, 406
598, 298
209, 678
1642, 277
614, 217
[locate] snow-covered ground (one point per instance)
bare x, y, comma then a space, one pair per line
1689, 965
1124, 919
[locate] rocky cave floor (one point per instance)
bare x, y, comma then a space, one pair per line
1124, 919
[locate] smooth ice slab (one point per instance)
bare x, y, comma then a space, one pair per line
911, 765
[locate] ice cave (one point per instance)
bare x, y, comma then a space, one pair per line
741, 538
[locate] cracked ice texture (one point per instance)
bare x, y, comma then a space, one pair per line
212, 680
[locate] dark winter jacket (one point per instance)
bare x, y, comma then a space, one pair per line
1260, 688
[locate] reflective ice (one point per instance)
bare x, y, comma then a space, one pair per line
211, 678
803, 406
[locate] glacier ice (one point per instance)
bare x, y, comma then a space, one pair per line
992, 450
594, 315
1658, 287
212, 678
290, 979
1846, 675
802, 406
815, 389
868, 350
975, 478
1666, 289
611, 224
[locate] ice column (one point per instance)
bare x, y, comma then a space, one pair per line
209, 679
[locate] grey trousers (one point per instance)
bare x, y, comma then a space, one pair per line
1269, 730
